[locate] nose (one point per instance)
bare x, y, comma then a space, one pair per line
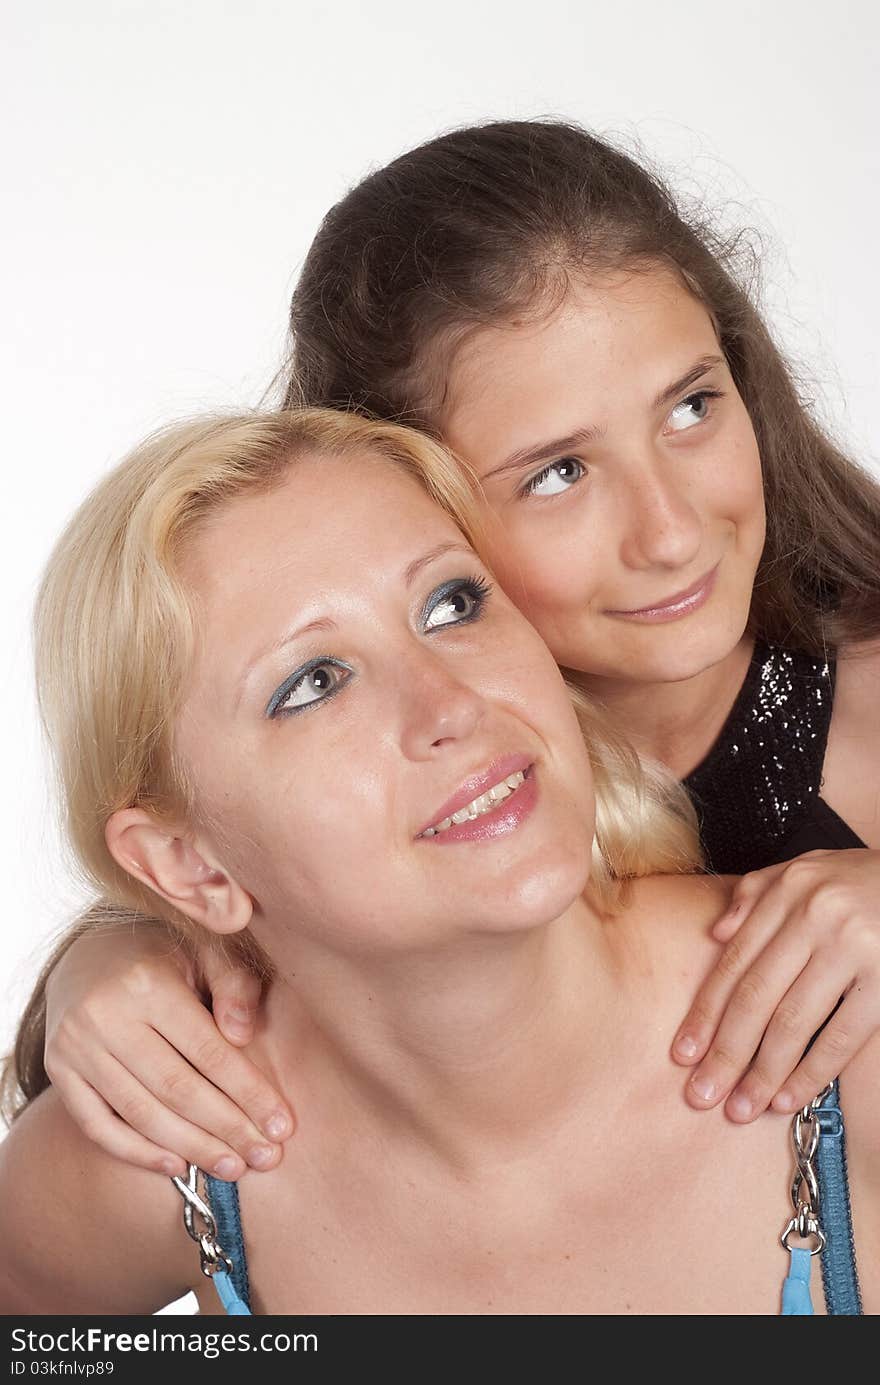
439, 707
662, 528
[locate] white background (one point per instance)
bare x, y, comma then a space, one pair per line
166, 164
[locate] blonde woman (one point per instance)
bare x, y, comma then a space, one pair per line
285, 724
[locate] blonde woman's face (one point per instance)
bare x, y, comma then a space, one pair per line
360, 681
622, 474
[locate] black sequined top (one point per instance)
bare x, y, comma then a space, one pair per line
757, 791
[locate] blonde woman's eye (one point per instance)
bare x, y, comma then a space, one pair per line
692, 410
557, 477
455, 603
316, 682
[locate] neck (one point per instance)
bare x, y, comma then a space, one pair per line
676, 723
470, 1049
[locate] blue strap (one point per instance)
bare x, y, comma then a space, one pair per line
228, 1297
223, 1199
796, 1301
839, 1277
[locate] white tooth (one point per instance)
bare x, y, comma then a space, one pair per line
483, 802
513, 781
500, 792
430, 832
460, 816
444, 825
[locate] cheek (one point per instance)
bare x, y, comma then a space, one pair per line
737, 488
307, 870
536, 688
286, 824
548, 566
753, 486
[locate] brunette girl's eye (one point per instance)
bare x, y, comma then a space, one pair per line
557, 477
316, 682
455, 603
692, 410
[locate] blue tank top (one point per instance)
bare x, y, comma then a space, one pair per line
837, 1259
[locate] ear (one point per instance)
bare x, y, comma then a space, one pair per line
181, 869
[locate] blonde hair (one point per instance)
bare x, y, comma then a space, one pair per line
114, 632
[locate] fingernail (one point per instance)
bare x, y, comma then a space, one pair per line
784, 1101
686, 1046
238, 1014
261, 1156
739, 1106
278, 1126
703, 1087
236, 1030
227, 1167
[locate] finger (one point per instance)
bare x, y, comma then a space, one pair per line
746, 894
137, 1106
843, 1037
800, 1013
190, 1029
164, 1072
731, 921
712, 999
754, 998
100, 1124
235, 1000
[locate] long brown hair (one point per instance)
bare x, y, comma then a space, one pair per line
492, 220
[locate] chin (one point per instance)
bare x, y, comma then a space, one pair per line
677, 666
673, 653
540, 892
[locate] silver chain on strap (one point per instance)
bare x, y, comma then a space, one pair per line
805, 1131
212, 1256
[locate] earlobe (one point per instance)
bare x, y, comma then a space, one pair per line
181, 870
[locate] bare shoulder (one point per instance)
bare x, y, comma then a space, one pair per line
82, 1232
697, 900
678, 911
852, 760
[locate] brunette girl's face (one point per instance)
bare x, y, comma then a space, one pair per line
622, 473
381, 746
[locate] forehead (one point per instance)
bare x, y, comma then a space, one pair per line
331, 523
623, 302
624, 331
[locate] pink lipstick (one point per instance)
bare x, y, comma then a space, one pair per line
673, 607
490, 804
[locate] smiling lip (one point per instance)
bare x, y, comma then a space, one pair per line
681, 604
478, 784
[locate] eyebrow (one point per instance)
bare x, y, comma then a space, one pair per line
311, 626
326, 623
413, 569
548, 451
545, 451
690, 377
